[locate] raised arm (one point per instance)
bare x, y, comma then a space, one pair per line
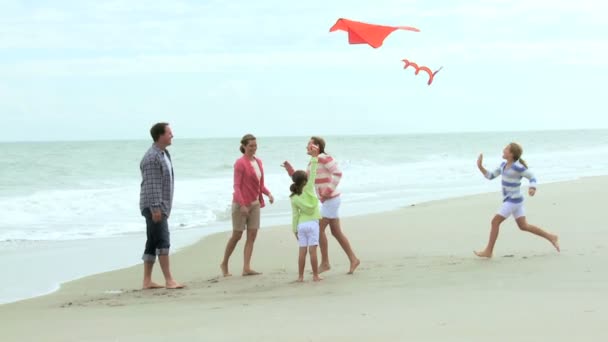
310, 184
290, 170
489, 175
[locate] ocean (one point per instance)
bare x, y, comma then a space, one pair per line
71, 209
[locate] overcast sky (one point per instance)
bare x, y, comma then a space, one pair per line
110, 69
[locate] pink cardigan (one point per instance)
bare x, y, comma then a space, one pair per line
247, 187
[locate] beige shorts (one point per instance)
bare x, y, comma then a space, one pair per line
240, 222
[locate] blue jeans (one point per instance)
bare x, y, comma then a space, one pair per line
158, 241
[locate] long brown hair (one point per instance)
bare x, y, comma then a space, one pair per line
245, 140
517, 151
299, 178
319, 142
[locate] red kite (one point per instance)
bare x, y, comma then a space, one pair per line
363, 33
421, 68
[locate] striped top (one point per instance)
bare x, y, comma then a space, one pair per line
328, 177
511, 180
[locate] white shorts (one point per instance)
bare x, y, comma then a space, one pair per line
308, 233
330, 208
515, 209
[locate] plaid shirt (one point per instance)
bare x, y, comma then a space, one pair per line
157, 181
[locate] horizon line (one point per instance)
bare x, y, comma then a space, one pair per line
304, 136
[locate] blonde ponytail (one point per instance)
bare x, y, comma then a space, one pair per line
517, 151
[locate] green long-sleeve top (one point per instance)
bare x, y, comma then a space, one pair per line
305, 207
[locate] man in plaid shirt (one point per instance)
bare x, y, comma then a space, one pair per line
155, 201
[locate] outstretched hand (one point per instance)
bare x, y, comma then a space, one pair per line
313, 150
480, 160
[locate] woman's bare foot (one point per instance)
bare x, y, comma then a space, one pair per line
316, 278
225, 270
172, 285
300, 280
483, 254
555, 241
151, 285
324, 268
353, 266
247, 273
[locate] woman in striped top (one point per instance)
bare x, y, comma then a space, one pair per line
512, 170
326, 184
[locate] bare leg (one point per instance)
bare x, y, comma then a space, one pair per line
301, 264
230, 246
487, 253
314, 263
323, 245
251, 235
526, 227
148, 283
164, 266
336, 231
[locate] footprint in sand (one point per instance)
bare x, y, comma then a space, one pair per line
113, 292
509, 256
115, 304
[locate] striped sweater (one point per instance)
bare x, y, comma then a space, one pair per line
511, 180
328, 177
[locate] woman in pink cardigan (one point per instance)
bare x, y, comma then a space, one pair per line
246, 203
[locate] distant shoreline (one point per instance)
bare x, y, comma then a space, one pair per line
350, 135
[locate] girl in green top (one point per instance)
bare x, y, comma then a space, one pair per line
306, 215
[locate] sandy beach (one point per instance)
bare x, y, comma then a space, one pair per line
419, 281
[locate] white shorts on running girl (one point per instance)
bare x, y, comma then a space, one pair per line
515, 209
330, 208
308, 233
